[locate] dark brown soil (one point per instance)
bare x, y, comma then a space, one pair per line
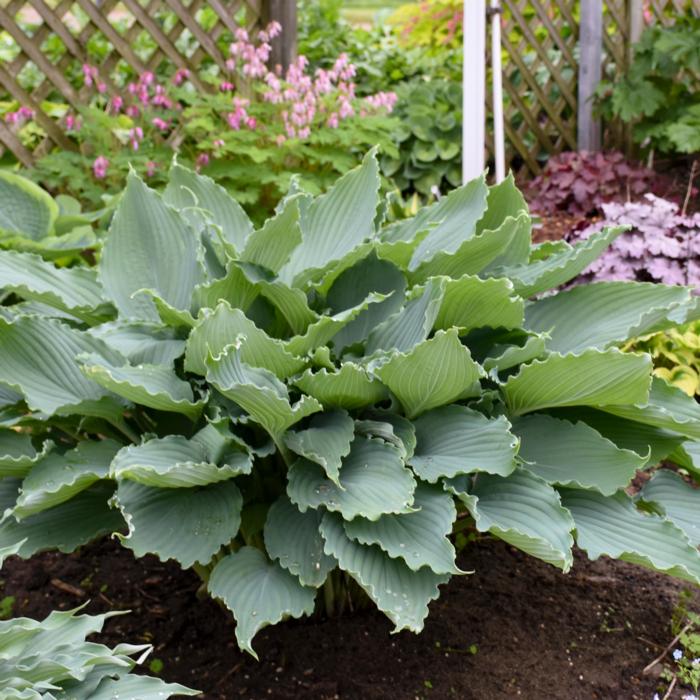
516, 628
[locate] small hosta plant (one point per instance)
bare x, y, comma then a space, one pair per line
304, 409
52, 660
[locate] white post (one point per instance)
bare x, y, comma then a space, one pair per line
496, 69
473, 89
589, 73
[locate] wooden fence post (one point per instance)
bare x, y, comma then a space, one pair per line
589, 73
284, 46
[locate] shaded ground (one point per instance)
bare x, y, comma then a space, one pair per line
538, 633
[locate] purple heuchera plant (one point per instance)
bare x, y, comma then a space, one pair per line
663, 245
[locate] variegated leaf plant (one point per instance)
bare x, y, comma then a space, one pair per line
330, 394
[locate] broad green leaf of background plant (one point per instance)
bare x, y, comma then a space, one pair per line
258, 593
25, 208
149, 246
141, 343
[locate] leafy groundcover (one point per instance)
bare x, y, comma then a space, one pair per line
308, 407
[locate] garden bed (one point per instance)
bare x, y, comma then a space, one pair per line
517, 628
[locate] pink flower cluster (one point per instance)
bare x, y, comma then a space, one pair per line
91, 77
19, 117
99, 167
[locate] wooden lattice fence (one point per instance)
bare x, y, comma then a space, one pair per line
540, 71
52, 39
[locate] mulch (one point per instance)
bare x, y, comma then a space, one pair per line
514, 628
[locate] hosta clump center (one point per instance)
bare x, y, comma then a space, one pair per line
328, 393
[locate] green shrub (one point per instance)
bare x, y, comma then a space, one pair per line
429, 137
52, 660
314, 403
660, 93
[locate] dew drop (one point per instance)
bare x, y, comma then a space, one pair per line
254, 613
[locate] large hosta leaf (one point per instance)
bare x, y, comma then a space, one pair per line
504, 357
668, 407
602, 314
525, 512
455, 440
327, 328
25, 208
370, 274
592, 378
135, 686
155, 386
435, 372
57, 478
399, 592
217, 330
646, 440
18, 454
336, 222
456, 216
349, 387
677, 500
192, 193
258, 391
66, 526
188, 525
419, 538
373, 481
38, 359
271, 246
390, 427
478, 253
326, 441
149, 246
560, 267
470, 302
258, 593
74, 290
294, 539
175, 462
612, 526
412, 324
574, 454
141, 343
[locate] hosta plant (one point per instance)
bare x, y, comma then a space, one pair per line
52, 660
302, 411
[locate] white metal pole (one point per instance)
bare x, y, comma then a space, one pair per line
497, 80
473, 89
